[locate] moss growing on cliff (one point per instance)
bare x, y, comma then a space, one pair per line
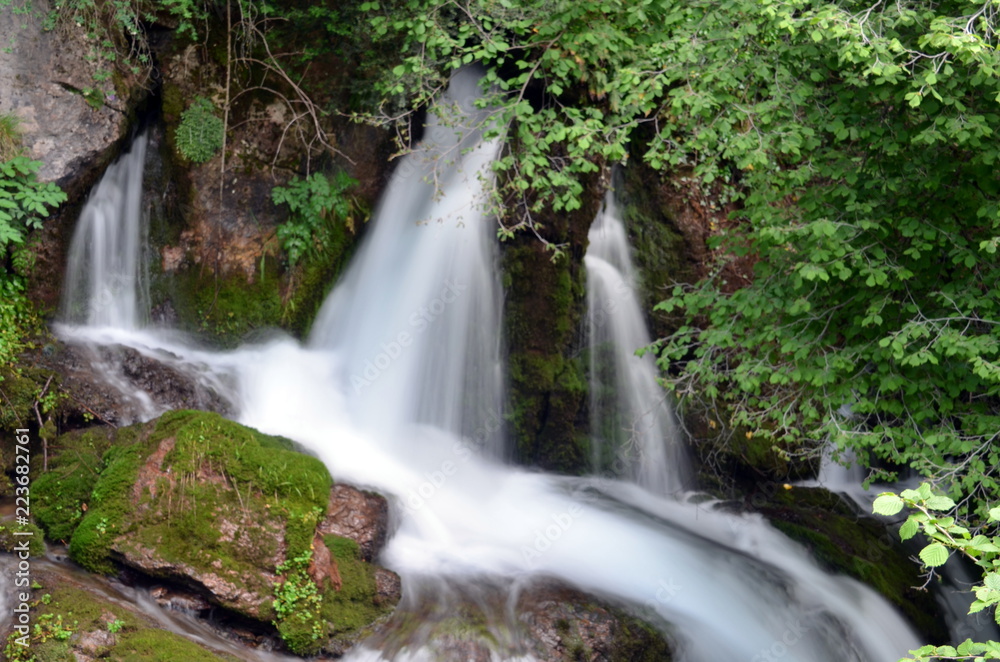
226, 307
544, 304
860, 547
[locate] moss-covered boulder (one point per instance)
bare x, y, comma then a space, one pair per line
229, 513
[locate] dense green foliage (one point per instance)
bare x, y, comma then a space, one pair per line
24, 203
315, 204
856, 142
199, 135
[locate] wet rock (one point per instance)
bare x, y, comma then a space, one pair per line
544, 303
95, 643
845, 541
169, 598
565, 624
226, 513
323, 567
119, 385
221, 588
42, 79
361, 516
85, 619
388, 586
547, 621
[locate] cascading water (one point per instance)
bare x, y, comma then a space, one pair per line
106, 283
400, 389
416, 320
631, 421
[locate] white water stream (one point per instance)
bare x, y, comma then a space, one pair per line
106, 276
400, 388
631, 419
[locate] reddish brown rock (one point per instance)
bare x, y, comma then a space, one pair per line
361, 516
323, 567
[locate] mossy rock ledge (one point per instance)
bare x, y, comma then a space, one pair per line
221, 510
847, 542
75, 622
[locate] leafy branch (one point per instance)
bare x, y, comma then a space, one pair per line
947, 535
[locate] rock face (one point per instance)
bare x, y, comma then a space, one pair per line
226, 513
564, 624
544, 303
844, 541
119, 385
361, 516
42, 81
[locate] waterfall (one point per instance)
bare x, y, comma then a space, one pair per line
106, 284
632, 425
417, 317
400, 388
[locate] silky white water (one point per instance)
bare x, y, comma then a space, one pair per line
631, 421
106, 281
400, 388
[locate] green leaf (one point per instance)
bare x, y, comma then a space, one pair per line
887, 504
939, 503
934, 555
908, 529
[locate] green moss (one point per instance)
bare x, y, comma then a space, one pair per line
859, 547
547, 379
225, 308
354, 606
637, 641
312, 280
173, 101
59, 495
215, 475
19, 390
110, 504
12, 536
67, 612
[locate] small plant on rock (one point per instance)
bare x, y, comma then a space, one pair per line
297, 606
200, 133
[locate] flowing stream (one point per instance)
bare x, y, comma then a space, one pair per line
400, 388
631, 421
